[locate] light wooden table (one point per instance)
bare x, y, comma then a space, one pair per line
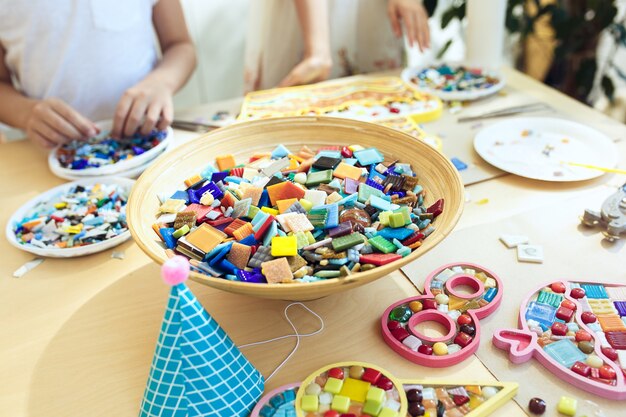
77, 336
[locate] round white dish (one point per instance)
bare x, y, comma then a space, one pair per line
542, 147
409, 73
67, 252
120, 168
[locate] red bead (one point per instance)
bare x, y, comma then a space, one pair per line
429, 304
346, 152
577, 293
384, 383
379, 259
568, 304
425, 349
335, 373
393, 325
588, 317
464, 319
400, 334
370, 375
413, 238
583, 336
394, 110
559, 329
436, 209
606, 372
459, 400
558, 287
610, 353
581, 368
332, 413
564, 314
463, 339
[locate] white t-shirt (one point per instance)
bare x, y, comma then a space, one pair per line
85, 52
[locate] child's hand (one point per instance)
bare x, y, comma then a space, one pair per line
310, 70
145, 106
52, 122
414, 19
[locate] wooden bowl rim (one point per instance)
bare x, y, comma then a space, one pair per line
282, 122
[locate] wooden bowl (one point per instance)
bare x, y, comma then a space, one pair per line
435, 172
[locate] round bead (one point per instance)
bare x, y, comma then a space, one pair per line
416, 306
577, 293
583, 336
425, 350
558, 287
441, 298
356, 372
335, 373
331, 413
594, 361
537, 406
469, 329
586, 347
414, 396
313, 389
568, 304
416, 409
489, 392
606, 372
401, 314
588, 317
609, 353
440, 349
300, 178
464, 319
394, 325
384, 383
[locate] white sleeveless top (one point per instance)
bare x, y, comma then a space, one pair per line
85, 52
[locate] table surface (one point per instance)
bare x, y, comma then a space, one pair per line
78, 335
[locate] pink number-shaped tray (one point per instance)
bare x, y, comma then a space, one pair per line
461, 309
593, 313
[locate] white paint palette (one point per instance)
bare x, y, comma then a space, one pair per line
542, 148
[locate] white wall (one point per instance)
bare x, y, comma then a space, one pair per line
218, 28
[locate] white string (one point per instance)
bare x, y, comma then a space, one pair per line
295, 334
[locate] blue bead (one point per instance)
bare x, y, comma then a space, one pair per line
490, 294
166, 233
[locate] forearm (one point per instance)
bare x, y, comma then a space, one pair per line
14, 106
175, 67
313, 18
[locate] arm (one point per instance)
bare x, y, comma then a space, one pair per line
414, 18
317, 62
149, 103
46, 122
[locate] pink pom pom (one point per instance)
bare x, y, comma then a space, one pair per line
175, 270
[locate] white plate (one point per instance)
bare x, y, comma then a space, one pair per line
72, 175
68, 252
114, 169
543, 154
409, 73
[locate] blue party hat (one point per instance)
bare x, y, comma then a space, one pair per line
197, 370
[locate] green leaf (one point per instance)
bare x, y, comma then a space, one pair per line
585, 75
453, 12
444, 49
447, 17
608, 87
430, 6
